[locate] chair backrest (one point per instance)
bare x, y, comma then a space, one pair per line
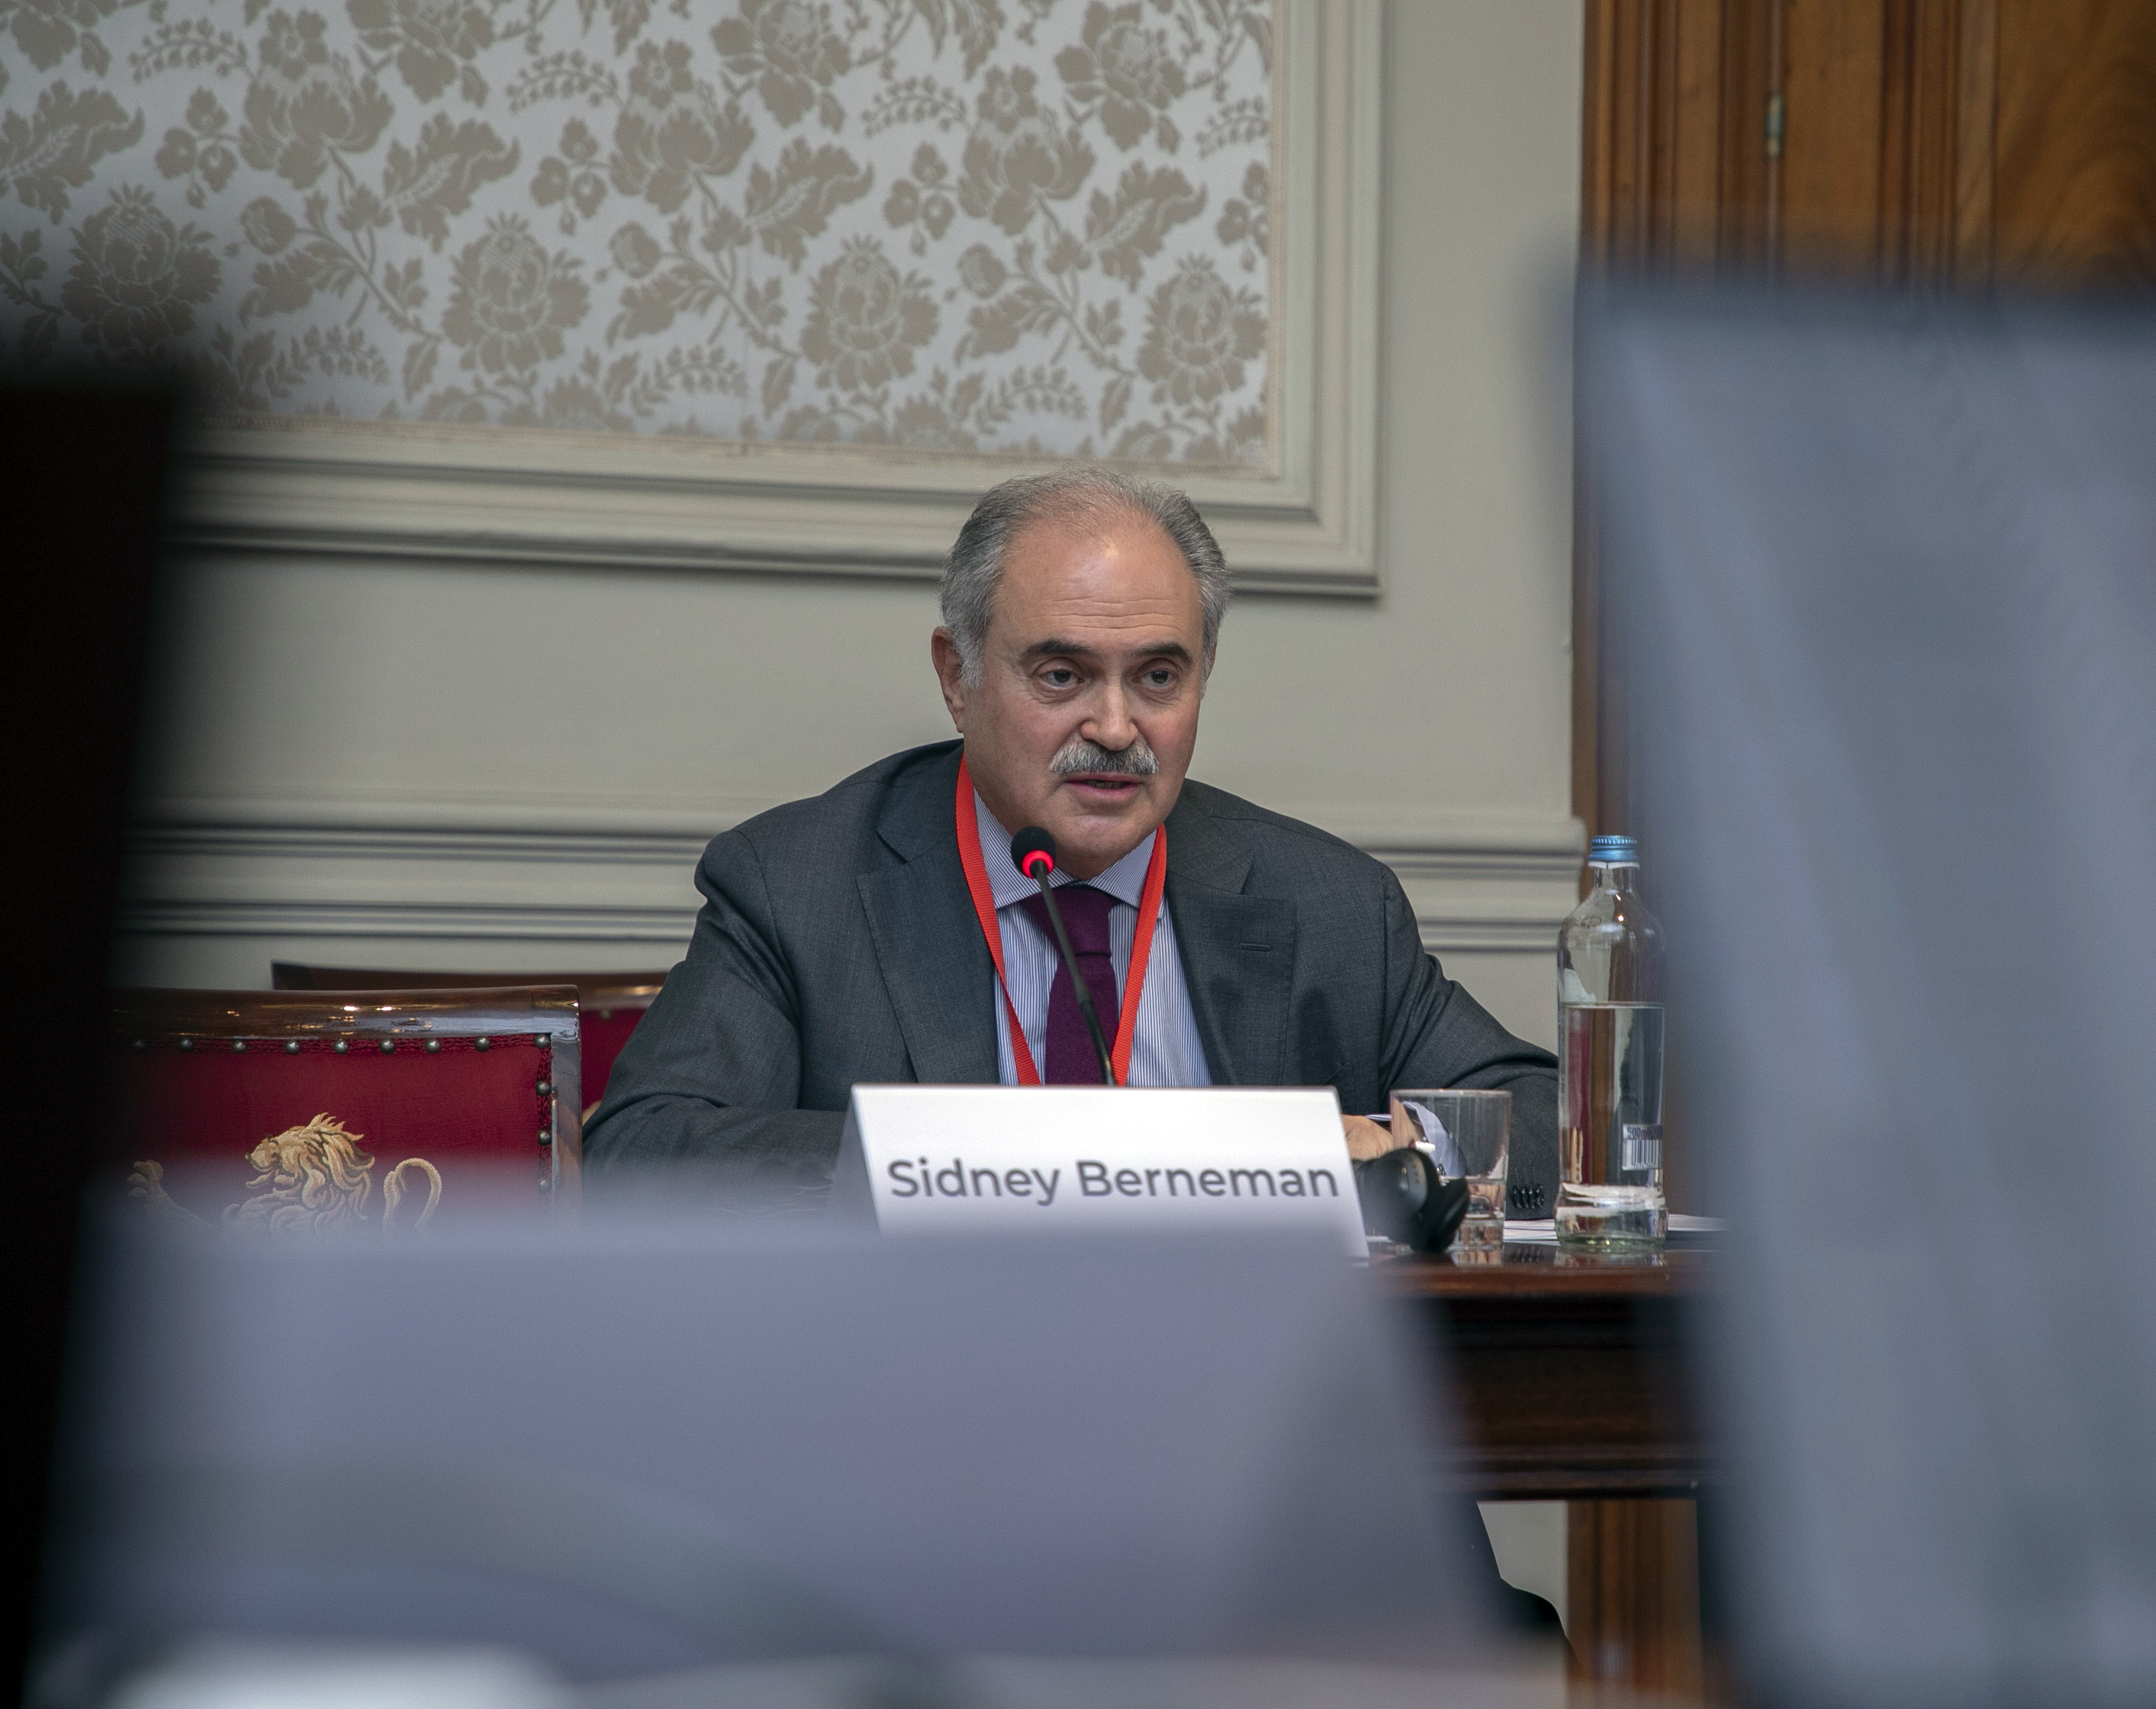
611, 1003
340, 1110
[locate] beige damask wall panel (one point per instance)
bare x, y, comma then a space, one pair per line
949, 225
393, 761
775, 285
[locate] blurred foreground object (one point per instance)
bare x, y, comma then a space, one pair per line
1890, 569
82, 480
237, 1676
641, 1448
267, 1677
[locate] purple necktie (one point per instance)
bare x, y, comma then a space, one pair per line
1070, 1059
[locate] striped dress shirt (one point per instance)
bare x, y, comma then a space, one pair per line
1165, 1049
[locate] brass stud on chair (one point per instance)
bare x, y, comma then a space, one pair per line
142, 1044
434, 1043
239, 1046
387, 1045
545, 1089
291, 1047
342, 1046
482, 1043
187, 1043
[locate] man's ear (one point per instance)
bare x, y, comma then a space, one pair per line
950, 672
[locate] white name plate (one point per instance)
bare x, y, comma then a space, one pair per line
943, 1160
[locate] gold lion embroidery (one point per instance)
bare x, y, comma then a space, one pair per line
314, 1179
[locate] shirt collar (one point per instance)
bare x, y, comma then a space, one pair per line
1125, 880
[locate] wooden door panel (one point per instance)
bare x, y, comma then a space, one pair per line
2074, 168
1933, 143
1833, 91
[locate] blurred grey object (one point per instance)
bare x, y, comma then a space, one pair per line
254, 1676
1886, 571
244, 1676
646, 1447
1007, 1682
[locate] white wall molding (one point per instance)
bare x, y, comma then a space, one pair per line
560, 922
562, 826
432, 491
1482, 883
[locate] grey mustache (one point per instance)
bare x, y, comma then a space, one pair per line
1078, 755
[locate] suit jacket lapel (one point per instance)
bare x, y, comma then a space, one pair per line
936, 968
1238, 951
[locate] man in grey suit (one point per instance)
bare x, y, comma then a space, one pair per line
843, 940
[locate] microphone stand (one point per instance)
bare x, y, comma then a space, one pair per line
1038, 867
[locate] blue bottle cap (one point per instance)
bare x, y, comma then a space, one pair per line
1618, 851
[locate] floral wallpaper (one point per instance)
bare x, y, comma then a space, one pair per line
959, 225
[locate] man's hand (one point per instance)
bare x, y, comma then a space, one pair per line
1366, 1140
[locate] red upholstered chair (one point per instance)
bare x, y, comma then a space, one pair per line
288, 1111
611, 1003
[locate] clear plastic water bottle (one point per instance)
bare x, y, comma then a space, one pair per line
1610, 1061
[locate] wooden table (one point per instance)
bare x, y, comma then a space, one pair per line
1572, 1385
1570, 1371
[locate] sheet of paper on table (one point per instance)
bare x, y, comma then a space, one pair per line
1542, 1230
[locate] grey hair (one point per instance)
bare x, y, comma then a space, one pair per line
1083, 495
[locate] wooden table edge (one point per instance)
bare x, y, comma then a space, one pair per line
1680, 1273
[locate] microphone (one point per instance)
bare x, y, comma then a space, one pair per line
1033, 852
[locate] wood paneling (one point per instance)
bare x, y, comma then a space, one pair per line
1572, 1378
1675, 106
1632, 1597
1833, 102
2074, 154
1924, 143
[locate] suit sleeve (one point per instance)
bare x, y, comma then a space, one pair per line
1438, 1035
706, 1089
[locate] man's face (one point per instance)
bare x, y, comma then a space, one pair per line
1086, 712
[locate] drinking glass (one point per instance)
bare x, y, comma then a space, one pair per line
1469, 1133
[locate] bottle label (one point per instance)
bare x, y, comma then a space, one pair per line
1643, 1146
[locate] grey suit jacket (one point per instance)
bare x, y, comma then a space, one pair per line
838, 944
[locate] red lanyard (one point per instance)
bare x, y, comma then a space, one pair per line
984, 905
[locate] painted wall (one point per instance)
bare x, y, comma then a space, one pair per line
394, 764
